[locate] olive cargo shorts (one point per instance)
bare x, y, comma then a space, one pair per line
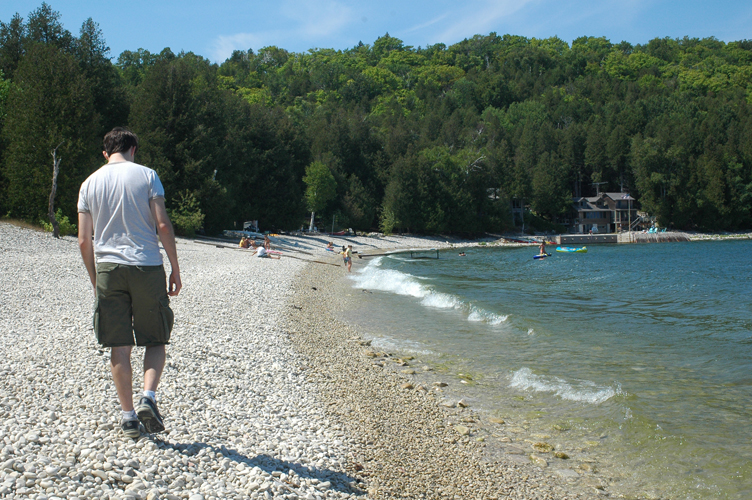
132, 300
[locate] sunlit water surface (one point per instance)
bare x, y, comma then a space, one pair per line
636, 356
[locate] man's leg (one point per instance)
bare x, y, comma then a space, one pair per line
152, 324
154, 361
122, 375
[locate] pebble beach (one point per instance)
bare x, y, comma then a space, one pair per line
264, 394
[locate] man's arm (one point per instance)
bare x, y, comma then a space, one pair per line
85, 245
167, 236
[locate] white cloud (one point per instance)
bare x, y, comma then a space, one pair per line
318, 19
224, 45
301, 18
481, 19
429, 23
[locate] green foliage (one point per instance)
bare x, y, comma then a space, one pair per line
4, 91
50, 104
441, 138
321, 187
388, 221
186, 217
64, 224
539, 224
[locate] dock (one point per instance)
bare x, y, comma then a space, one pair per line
625, 237
415, 253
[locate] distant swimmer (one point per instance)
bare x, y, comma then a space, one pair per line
462, 254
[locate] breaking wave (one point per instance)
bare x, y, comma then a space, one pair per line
373, 277
582, 390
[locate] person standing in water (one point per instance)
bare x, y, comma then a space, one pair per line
347, 256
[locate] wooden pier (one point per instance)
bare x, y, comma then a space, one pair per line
625, 237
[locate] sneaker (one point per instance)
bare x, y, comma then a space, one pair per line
130, 428
149, 415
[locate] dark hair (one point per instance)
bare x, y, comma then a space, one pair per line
119, 140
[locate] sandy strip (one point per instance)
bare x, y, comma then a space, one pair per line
409, 441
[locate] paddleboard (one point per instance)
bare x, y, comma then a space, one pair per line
541, 256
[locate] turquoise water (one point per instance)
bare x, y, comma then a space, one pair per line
636, 356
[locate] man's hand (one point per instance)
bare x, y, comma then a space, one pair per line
175, 284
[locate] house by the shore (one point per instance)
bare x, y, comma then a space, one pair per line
604, 213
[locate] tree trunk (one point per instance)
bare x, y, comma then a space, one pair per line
51, 210
310, 227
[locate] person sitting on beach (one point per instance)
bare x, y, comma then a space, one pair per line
244, 242
330, 246
267, 242
262, 252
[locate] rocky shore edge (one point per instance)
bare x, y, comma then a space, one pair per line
410, 441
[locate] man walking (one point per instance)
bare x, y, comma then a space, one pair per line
122, 204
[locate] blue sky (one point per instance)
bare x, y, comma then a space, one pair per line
214, 30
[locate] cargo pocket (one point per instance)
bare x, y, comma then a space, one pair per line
96, 321
168, 318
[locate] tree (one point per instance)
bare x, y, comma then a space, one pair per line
51, 211
321, 187
50, 103
12, 36
44, 26
4, 91
110, 97
551, 195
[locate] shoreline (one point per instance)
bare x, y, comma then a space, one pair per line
265, 392
410, 441
611, 468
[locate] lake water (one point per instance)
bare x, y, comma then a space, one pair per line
637, 358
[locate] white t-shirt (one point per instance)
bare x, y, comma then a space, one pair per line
261, 251
117, 196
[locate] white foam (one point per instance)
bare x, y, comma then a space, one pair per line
408, 346
477, 314
374, 277
387, 280
584, 390
441, 301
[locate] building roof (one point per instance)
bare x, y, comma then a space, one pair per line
589, 205
619, 196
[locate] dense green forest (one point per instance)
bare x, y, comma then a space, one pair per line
433, 139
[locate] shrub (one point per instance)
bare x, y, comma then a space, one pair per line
187, 217
387, 221
63, 223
